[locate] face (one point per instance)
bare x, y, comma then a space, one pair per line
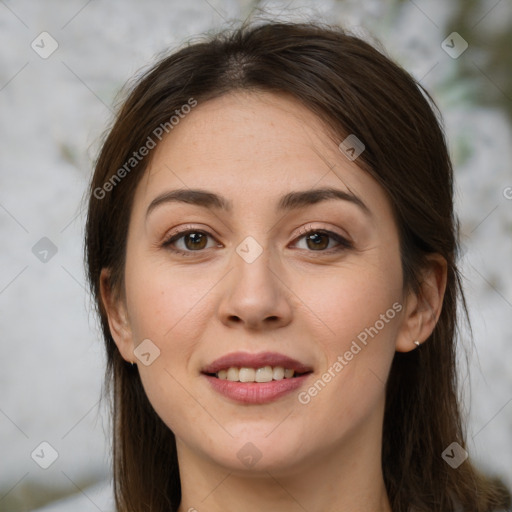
257, 279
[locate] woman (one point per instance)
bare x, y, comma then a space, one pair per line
271, 245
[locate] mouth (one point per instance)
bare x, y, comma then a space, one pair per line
256, 378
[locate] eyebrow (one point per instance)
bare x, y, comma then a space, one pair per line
290, 201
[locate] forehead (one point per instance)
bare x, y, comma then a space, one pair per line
252, 148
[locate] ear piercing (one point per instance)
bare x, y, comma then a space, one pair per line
417, 343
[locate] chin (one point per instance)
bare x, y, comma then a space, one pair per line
260, 452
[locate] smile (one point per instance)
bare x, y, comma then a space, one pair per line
255, 378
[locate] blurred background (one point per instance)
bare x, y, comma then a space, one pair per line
61, 65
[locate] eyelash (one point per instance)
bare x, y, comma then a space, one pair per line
344, 244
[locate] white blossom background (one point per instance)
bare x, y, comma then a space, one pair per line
53, 112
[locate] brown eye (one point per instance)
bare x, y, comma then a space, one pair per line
191, 241
318, 240
197, 241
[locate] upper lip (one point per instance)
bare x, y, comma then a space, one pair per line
248, 360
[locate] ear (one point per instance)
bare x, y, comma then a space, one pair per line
422, 309
117, 317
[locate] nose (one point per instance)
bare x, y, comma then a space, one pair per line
255, 296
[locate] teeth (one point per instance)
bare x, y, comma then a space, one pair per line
232, 374
246, 374
264, 374
288, 374
278, 373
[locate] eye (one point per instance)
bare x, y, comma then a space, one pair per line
317, 240
193, 240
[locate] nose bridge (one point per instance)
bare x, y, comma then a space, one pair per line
254, 280
255, 294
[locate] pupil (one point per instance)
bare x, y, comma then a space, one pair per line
196, 239
317, 242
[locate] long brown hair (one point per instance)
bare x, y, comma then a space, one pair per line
353, 88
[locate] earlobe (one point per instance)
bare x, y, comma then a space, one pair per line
423, 308
117, 317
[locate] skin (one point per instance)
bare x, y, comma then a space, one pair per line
252, 148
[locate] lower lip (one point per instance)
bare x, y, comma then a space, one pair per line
256, 392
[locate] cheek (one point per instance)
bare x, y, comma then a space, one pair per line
163, 301
165, 306
360, 317
168, 392
353, 297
